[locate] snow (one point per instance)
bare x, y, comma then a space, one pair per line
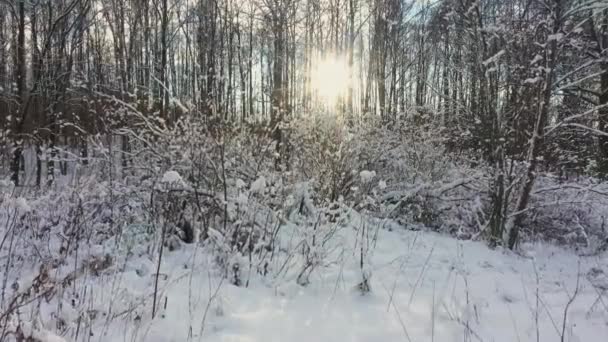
242, 199
5, 183
22, 205
436, 287
532, 80
259, 185
556, 37
598, 278
35, 333
172, 177
536, 59
423, 285
367, 176
300, 202
494, 58
240, 184
382, 185
173, 180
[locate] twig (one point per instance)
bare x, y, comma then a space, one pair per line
420, 276
213, 296
570, 301
403, 327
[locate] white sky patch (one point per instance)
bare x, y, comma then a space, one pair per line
331, 78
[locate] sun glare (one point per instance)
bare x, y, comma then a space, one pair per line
330, 79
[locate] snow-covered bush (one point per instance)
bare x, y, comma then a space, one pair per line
571, 214
396, 172
222, 190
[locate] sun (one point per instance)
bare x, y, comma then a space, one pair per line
330, 79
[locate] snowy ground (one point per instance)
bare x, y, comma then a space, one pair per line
425, 287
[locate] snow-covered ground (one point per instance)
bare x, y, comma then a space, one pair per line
424, 287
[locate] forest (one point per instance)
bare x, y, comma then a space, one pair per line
415, 152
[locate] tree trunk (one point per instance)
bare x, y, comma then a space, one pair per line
603, 101
277, 110
20, 78
514, 222
163, 62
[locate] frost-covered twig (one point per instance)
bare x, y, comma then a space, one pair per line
571, 299
420, 275
212, 297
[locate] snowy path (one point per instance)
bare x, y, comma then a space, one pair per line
442, 289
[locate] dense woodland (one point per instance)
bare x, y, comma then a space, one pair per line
519, 85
